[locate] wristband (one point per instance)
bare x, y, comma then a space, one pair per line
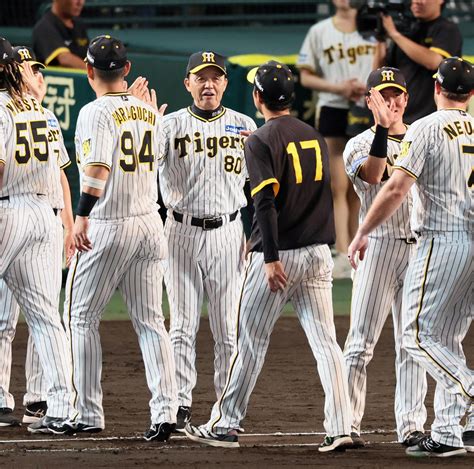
86, 204
379, 144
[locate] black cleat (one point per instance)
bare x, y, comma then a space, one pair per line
7, 419
34, 411
183, 417
357, 441
468, 440
428, 447
201, 435
159, 431
48, 425
413, 439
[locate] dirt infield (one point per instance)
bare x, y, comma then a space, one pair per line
283, 426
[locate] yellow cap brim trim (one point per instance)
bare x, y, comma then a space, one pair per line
251, 75
202, 66
390, 85
34, 62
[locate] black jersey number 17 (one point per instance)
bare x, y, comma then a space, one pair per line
292, 150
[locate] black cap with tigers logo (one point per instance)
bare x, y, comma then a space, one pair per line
26, 54
386, 77
203, 59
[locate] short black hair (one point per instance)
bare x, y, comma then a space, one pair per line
273, 106
459, 97
110, 76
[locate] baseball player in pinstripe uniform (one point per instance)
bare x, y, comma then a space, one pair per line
60, 198
119, 234
202, 177
378, 282
437, 153
28, 247
289, 261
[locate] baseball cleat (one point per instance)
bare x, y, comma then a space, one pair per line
413, 439
201, 435
7, 419
468, 440
34, 411
48, 425
335, 443
357, 441
159, 431
183, 417
428, 447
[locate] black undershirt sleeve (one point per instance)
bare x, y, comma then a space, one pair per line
250, 208
267, 219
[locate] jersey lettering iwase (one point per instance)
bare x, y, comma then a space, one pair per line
203, 171
355, 155
438, 150
121, 133
28, 146
293, 157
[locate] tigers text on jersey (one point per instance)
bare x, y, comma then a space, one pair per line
120, 132
293, 157
355, 154
26, 146
438, 150
203, 170
336, 56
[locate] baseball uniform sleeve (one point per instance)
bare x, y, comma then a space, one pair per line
355, 155
95, 138
307, 57
3, 140
446, 39
415, 148
260, 166
164, 135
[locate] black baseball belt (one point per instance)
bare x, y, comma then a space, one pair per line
205, 223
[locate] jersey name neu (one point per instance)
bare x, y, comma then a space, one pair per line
293, 157
120, 132
355, 155
438, 150
25, 146
336, 56
203, 170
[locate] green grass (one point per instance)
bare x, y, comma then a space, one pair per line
117, 310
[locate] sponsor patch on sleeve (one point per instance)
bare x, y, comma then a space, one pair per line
235, 129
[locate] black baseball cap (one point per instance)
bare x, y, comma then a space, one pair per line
386, 77
6, 51
203, 59
26, 54
106, 53
455, 75
274, 81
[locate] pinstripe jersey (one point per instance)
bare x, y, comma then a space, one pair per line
355, 154
25, 148
203, 170
438, 150
55, 137
335, 56
120, 132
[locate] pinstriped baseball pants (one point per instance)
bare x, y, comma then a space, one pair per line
309, 289
127, 254
27, 266
36, 385
437, 312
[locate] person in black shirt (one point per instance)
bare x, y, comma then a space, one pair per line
289, 260
419, 53
60, 38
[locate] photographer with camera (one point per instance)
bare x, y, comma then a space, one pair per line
335, 60
418, 53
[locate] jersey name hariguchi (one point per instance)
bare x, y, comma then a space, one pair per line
120, 132
438, 150
336, 56
202, 171
355, 155
26, 146
55, 136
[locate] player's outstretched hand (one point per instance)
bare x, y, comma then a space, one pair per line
357, 248
383, 114
276, 276
352, 89
139, 88
69, 246
246, 133
81, 227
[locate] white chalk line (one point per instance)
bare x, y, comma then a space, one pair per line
175, 437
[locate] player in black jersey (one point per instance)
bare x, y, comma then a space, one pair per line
289, 260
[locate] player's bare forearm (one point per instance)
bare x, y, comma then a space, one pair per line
373, 169
387, 201
69, 60
68, 220
379, 55
94, 172
350, 89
